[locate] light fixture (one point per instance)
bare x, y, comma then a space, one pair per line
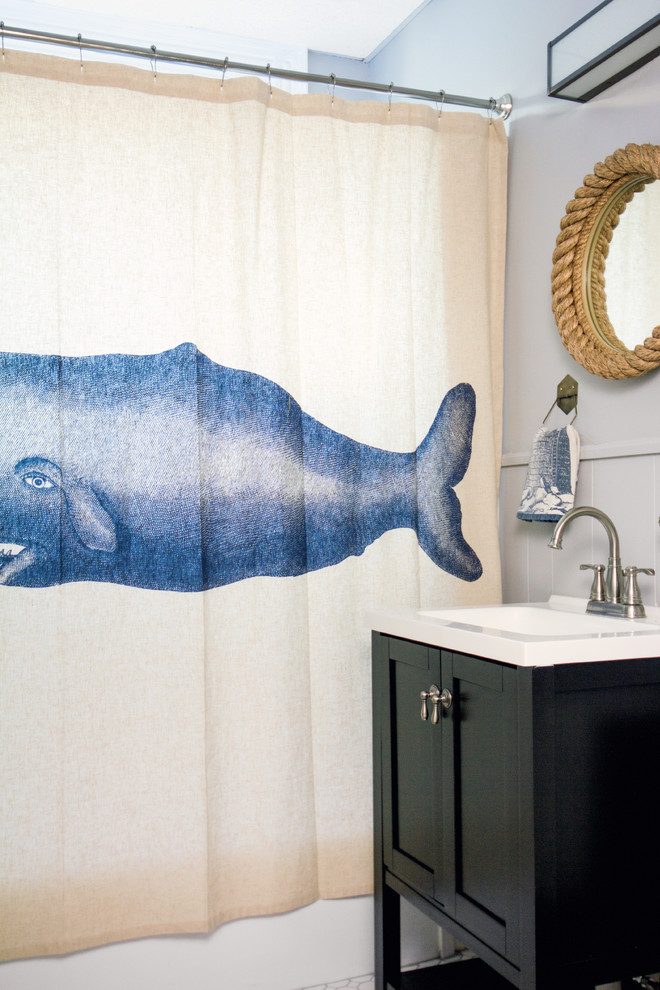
607, 44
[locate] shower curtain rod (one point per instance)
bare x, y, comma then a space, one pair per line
502, 107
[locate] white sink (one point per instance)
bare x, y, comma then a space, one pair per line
532, 620
538, 634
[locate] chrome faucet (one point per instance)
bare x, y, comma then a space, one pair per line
609, 595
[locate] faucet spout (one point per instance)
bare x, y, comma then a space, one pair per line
613, 576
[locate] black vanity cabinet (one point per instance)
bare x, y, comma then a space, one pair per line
515, 806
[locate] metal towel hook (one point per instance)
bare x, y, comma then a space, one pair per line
567, 397
556, 403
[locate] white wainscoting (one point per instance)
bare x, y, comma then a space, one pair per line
622, 479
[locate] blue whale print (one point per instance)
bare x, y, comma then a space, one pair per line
171, 472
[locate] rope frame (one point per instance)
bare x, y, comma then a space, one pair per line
579, 300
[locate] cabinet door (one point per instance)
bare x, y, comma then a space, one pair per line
481, 820
607, 741
412, 790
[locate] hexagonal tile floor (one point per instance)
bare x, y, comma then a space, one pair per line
352, 983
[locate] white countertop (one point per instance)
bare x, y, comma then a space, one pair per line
567, 634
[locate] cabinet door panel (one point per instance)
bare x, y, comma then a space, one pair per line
607, 741
409, 743
482, 738
412, 764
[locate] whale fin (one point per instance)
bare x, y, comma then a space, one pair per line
442, 459
93, 526
91, 522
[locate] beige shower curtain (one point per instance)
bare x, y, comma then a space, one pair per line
174, 759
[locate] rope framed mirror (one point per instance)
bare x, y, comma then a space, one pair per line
579, 287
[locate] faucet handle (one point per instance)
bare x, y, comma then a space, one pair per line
631, 595
597, 593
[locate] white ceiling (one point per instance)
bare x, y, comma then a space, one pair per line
354, 28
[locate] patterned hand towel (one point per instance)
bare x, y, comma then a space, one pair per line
549, 490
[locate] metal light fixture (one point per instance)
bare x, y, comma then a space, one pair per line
607, 44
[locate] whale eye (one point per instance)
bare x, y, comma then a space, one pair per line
37, 480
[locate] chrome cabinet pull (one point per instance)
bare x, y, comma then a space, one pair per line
425, 695
437, 698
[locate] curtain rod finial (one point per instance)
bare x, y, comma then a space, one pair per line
505, 106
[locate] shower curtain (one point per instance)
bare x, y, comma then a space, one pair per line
251, 386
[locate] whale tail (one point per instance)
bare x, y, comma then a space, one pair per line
442, 459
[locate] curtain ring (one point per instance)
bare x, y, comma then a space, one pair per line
2, 38
270, 84
82, 67
491, 109
333, 80
224, 69
154, 62
442, 103
389, 107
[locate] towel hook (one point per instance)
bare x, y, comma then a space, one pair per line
567, 397
556, 403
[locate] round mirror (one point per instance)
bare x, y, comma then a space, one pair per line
605, 294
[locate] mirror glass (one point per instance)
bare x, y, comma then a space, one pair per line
632, 284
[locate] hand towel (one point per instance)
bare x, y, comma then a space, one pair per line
551, 479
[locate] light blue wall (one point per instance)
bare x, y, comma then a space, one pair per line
474, 48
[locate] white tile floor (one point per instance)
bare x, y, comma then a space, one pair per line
352, 983
363, 982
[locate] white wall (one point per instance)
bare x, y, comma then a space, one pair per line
474, 48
